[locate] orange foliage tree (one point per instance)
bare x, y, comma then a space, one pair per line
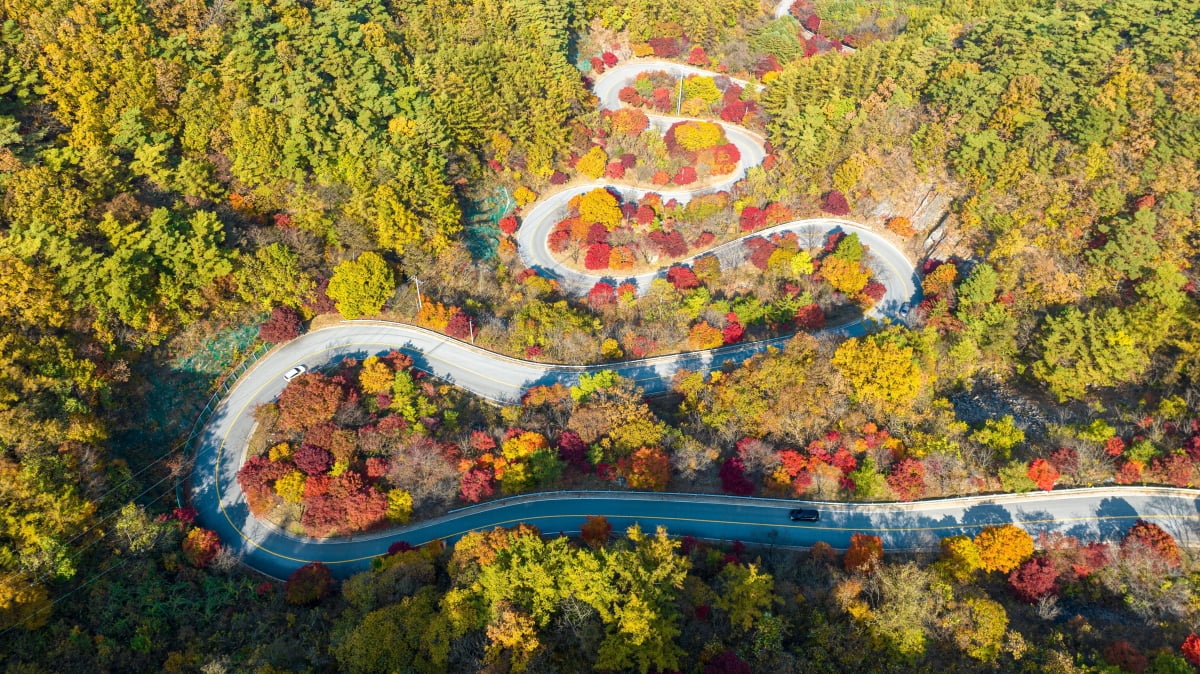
647, 468
1003, 548
629, 121
864, 554
705, 336
596, 531
901, 226
620, 258
1147, 535
1043, 474
435, 315
309, 400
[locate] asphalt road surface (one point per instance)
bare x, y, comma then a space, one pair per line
1088, 513
222, 445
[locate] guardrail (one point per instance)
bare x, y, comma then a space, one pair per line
220, 389
1067, 492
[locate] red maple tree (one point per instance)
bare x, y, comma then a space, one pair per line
1033, 579
1043, 474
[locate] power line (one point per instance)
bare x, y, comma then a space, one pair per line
182, 445
77, 588
83, 549
64, 597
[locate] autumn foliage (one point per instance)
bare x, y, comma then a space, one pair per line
308, 584
907, 480
733, 477
308, 400
647, 468
1003, 547
1033, 579
1191, 649
596, 531
282, 325
1147, 536
705, 336
864, 554
1043, 474
835, 203
200, 547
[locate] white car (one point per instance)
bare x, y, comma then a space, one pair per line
295, 372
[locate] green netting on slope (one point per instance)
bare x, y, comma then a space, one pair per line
175, 385
482, 232
217, 353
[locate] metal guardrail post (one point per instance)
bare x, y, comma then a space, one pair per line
224, 383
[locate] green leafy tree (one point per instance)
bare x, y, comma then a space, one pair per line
360, 287
272, 276
745, 594
1085, 351
1001, 436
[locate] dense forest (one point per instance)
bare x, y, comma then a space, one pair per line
185, 183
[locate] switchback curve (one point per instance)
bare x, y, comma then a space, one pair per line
264, 547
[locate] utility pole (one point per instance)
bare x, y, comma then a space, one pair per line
679, 98
471, 325
417, 282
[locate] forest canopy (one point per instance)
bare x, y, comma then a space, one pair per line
178, 172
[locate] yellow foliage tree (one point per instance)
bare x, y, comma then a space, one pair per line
802, 263
1003, 548
694, 107
848, 173
376, 376
593, 162
981, 635
699, 86
523, 195
611, 349
695, 136
22, 603
522, 445
845, 276
960, 557
600, 206
400, 506
516, 634
290, 487
879, 369
281, 451
746, 596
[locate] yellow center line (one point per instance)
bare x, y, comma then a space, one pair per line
256, 544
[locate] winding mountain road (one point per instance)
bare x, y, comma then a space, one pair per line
222, 444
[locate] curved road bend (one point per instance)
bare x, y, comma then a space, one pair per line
1086, 513
890, 265
500, 378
